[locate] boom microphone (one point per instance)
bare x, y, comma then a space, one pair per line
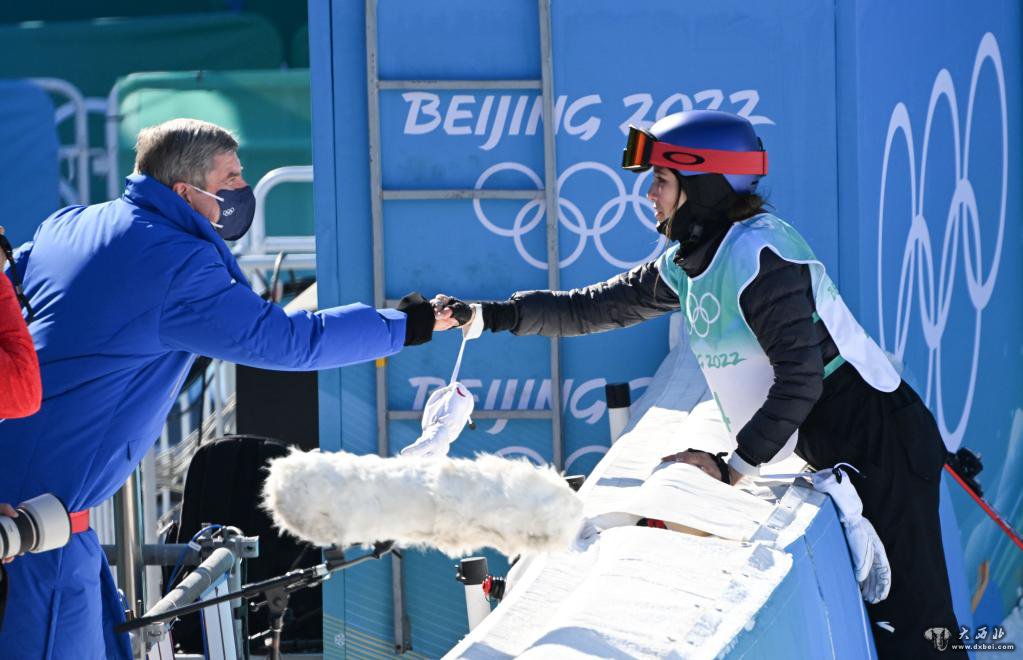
454, 505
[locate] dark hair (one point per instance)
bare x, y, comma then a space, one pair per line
747, 206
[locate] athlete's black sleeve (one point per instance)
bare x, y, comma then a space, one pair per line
622, 301
778, 305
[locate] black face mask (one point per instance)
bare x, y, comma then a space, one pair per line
237, 208
709, 197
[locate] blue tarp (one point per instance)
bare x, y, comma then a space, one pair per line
28, 159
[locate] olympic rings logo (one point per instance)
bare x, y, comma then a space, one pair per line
963, 223
537, 459
571, 217
702, 312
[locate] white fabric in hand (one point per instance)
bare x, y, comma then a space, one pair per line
870, 561
446, 413
474, 328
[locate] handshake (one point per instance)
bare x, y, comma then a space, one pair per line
444, 312
451, 312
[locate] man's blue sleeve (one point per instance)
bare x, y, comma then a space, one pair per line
208, 313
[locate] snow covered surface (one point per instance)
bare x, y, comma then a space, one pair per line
638, 592
626, 591
632, 483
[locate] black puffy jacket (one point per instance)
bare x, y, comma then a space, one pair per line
778, 305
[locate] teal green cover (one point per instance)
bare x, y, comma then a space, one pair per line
268, 111
93, 54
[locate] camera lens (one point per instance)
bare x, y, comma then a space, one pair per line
10, 537
42, 524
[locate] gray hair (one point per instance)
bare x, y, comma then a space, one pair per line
181, 150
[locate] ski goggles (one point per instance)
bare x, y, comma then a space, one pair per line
643, 151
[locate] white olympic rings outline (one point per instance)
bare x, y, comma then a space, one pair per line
700, 314
577, 224
963, 216
533, 455
584, 451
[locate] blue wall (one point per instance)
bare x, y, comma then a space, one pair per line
822, 84
929, 180
28, 159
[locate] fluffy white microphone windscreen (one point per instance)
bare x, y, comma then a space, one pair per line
454, 505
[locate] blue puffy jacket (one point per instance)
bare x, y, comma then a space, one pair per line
125, 294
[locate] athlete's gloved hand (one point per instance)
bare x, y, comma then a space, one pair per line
870, 561
878, 582
461, 311
494, 315
468, 316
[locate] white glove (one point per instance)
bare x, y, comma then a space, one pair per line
587, 533
870, 561
879, 580
474, 328
447, 411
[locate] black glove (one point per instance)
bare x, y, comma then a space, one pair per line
498, 316
420, 319
460, 311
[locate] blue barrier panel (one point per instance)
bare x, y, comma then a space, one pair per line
816, 611
493, 139
28, 159
821, 81
930, 143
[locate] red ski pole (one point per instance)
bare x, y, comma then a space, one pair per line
1009, 531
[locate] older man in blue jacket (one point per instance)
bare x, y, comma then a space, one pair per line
125, 294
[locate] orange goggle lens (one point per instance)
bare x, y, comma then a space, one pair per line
637, 150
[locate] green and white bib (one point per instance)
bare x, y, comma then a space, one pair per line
736, 367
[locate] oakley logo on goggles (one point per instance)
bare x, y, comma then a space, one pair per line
643, 151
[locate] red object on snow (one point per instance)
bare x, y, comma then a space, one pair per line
21, 391
1009, 531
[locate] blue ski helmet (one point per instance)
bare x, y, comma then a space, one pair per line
700, 142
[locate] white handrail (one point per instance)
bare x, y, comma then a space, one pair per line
113, 117
80, 150
257, 242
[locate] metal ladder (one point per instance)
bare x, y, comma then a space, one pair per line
550, 196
